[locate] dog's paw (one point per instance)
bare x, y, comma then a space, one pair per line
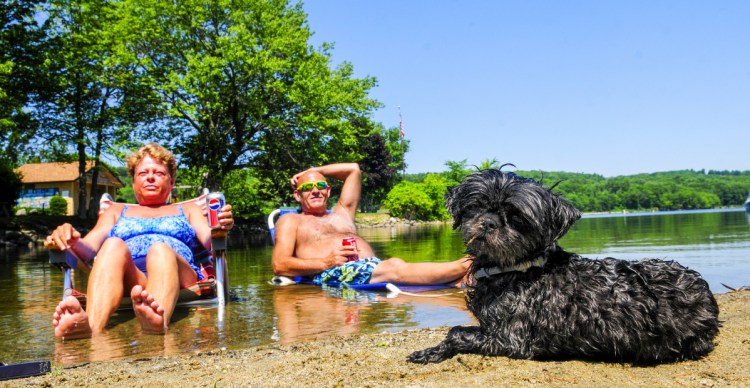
429, 355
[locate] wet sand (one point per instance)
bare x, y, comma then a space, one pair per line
380, 360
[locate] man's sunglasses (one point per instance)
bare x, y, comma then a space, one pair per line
308, 186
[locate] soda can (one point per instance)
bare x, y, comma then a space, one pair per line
351, 241
214, 203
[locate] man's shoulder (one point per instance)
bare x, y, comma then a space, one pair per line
289, 218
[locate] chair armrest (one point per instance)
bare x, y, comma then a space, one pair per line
67, 258
219, 239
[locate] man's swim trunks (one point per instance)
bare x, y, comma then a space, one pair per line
140, 234
353, 272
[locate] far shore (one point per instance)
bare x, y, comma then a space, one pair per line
32, 229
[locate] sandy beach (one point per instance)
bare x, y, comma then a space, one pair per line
380, 360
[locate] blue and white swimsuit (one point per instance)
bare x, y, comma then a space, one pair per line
141, 233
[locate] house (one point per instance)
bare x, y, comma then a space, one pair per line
42, 181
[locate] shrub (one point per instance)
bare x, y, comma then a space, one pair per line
58, 206
419, 201
408, 200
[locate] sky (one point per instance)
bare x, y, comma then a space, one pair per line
606, 87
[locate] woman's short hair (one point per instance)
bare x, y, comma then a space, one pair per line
157, 152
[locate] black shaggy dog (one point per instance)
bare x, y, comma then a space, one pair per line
535, 300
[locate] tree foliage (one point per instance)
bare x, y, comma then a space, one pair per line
242, 88
10, 181
672, 190
419, 201
457, 170
93, 102
22, 77
377, 172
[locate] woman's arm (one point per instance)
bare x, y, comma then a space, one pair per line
66, 236
197, 218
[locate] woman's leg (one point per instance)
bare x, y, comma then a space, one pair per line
112, 273
167, 272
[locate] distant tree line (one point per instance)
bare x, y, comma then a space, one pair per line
421, 196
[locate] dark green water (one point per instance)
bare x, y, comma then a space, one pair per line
715, 243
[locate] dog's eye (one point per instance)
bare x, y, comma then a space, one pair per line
515, 217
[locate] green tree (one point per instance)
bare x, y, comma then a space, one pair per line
456, 171
488, 163
22, 78
242, 88
242, 189
397, 147
377, 172
419, 201
10, 181
435, 187
408, 200
95, 98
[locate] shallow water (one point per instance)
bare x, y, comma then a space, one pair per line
715, 243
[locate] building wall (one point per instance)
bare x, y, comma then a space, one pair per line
69, 191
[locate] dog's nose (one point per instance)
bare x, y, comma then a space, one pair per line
490, 224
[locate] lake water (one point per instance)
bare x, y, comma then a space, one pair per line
715, 243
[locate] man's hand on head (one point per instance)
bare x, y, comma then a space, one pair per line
296, 178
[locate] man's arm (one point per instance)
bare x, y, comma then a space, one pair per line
284, 261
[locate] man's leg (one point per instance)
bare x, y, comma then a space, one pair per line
395, 270
167, 271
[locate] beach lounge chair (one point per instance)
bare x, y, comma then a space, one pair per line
213, 289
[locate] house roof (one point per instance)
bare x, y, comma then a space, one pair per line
64, 172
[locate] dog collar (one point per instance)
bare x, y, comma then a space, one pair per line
492, 271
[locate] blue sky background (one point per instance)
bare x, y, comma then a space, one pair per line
606, 87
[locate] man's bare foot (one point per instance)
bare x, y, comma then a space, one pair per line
70, 320
148, 310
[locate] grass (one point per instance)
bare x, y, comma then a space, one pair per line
371, 218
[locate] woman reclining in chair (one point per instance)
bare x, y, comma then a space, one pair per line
146, 250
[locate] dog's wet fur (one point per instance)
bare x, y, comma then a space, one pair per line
541, 302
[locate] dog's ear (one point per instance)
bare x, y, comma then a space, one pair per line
451, 204
563, 216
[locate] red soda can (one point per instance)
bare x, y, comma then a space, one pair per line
214, 203
351, 241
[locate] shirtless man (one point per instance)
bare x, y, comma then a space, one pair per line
310, 244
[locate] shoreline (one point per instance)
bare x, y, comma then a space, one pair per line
380, 360
28, 231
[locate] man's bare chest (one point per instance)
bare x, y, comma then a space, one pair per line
323, 228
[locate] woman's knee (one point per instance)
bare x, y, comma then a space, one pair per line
160, 249
113, 251
161, 254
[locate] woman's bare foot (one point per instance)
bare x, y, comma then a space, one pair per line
70, 320
148, 310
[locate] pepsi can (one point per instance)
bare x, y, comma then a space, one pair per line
214, 203
351, 241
